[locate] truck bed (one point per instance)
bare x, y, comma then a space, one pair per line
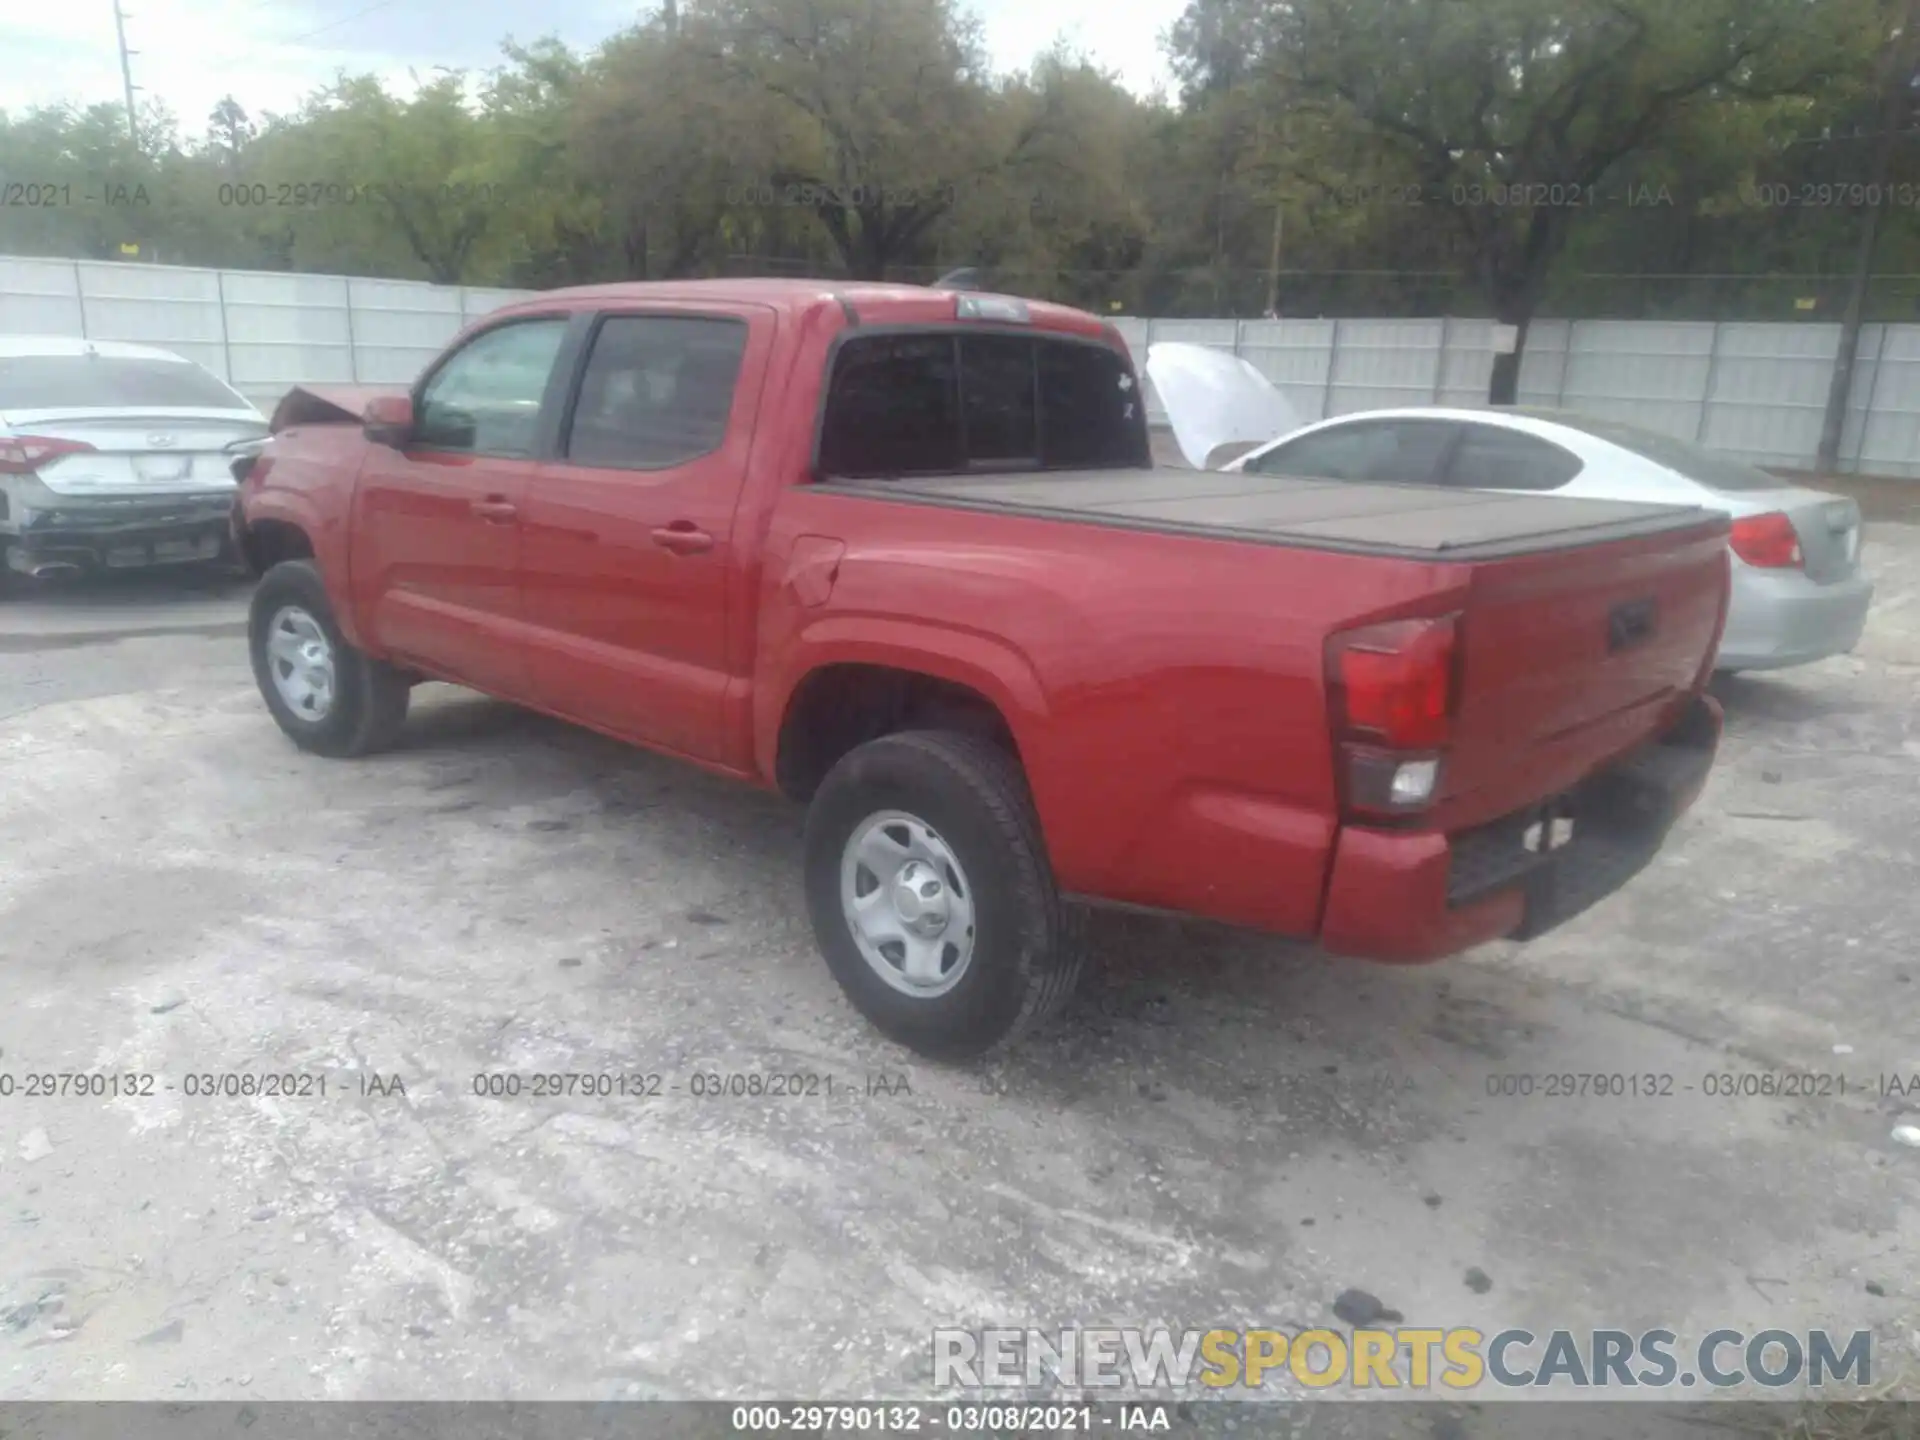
1415, 522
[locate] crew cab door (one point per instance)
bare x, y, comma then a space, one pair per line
628, 533
436, 530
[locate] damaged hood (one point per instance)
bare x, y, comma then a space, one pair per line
1215, 398
327, 404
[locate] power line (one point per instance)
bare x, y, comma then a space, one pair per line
344, 20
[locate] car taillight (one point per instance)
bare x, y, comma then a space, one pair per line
1768, 541
1391, 691
23, 454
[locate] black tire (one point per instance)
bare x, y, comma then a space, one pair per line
1028, 952
369, 697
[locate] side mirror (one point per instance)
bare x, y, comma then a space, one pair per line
388, 420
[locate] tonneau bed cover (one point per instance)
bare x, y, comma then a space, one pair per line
1412, 521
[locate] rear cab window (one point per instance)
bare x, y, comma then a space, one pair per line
957, 401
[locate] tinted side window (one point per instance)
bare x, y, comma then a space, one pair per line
894, 408
657, 391
1494, 459
486, 398
1419, 452
1404, 452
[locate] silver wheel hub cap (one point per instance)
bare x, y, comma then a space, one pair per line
907, 903
300, 662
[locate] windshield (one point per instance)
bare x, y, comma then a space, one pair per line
104, 382
1706, 467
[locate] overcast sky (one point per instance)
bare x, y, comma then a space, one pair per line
269, 53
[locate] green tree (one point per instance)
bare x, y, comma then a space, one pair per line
411, 185
1515, 115
669, 139
229, 132
1064, 214
557, 230
884, 116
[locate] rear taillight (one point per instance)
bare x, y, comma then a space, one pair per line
1393, 683
1767, 541
23, 454
1391, 690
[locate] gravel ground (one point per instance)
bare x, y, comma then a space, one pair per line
1225, 1130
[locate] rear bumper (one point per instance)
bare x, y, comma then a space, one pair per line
1777, 620
114, 533
1410, 898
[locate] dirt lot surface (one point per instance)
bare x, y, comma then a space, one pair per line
1224, 1130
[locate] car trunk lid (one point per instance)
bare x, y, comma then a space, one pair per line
1214, 399
1828, 527
159, 452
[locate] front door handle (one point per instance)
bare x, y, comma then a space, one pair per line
683, 538
496, 511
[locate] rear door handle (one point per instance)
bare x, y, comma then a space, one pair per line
683, 538
496, 511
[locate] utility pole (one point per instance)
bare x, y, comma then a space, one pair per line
126, 72
1273, 258
1896, 105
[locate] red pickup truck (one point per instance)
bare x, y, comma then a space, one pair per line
902, 554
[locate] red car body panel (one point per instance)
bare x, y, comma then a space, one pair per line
1167, 693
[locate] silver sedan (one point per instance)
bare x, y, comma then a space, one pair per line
1798, 592
113, 455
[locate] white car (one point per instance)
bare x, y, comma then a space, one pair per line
114, 456
1798, 591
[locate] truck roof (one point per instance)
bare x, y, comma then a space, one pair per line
871, 302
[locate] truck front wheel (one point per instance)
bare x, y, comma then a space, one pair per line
931, 896
327, 696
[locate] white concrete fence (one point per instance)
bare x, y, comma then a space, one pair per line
1753, 390
260, 332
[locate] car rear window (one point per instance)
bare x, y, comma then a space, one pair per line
1494, 459
1394, 452
949, 402
80, 382
1704, 467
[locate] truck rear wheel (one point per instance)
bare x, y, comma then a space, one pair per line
327, 696
931, 896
